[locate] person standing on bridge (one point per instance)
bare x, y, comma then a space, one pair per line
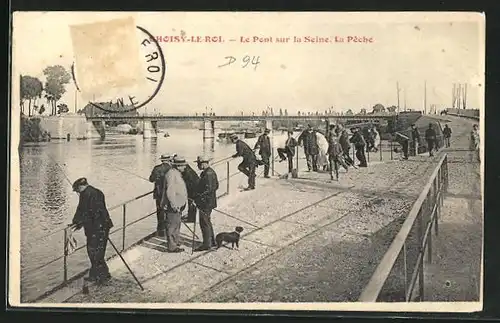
173, 203
249, 163
430, 137
92, 214
206, 201
359, 144
447, 135
158, 178
264, 143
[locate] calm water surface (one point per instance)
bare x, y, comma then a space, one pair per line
48, 203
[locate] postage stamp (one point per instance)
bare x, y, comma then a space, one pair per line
286, 161
112, 58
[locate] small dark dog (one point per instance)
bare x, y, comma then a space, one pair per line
231, 237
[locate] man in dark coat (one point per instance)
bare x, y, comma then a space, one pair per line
249, 163
430, 137
158, 178
359, 144
344, 143
264, 143
206, 201
403, 140
311, 149
447, 135
289, 151
191, 179
335, 155
92, 214
415, 139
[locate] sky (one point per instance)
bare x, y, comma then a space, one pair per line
410, 49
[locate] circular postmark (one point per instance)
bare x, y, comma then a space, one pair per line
156, 69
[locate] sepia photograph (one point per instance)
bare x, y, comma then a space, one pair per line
247, 161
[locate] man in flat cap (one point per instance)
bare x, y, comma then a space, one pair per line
93, 216
158, 178
264, 143
359, 144
173, 202
206, 201
249, 163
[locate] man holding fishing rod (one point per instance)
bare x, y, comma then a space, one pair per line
93, 216
158, 178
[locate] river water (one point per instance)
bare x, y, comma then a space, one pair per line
48, 203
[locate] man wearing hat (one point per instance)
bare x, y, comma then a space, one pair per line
431, 138
415, 139
158, 178
359, 144
191, 179
93, 216
264, 143
206, 201
289, 151
311, 147
173, 202
249, 163
344, 143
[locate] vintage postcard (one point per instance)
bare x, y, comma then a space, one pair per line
247, 160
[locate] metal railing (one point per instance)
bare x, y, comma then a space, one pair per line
66, 254
410, 246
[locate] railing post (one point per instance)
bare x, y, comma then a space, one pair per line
405, 264
422, 250
391, 147
227, 181
124, 223
380, 149
65, 250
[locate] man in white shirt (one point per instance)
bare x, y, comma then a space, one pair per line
174, 201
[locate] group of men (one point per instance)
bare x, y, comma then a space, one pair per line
178, 187
338, 146
430, 138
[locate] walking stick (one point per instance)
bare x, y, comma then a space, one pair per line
194, 235
126, 265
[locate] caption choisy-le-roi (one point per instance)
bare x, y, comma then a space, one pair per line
266, 39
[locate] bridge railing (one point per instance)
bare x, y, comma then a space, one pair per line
134, 220
402, 266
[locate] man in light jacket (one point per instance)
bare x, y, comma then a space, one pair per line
174, 201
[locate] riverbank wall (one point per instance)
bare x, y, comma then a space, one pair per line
60, 126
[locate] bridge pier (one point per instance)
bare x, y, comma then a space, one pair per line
208, 129
92, 131
148, 131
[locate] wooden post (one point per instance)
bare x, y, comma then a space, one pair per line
124, 223
65, 250
227, 181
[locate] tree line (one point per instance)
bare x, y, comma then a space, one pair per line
33, 90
